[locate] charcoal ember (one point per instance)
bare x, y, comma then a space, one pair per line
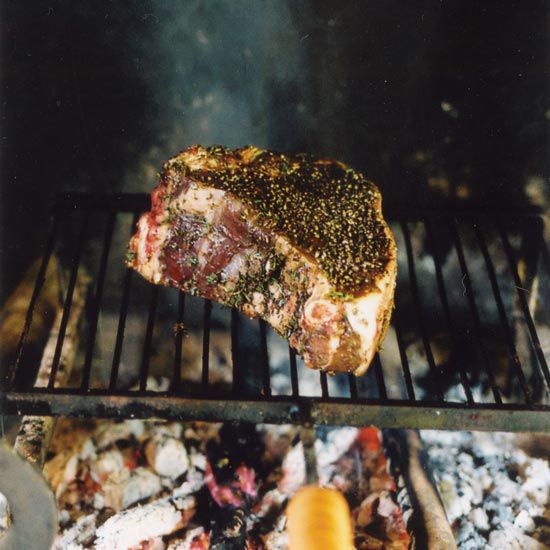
131, 527
167, 455
368, 542
366, 512
331, 444
195, 539
151, 544
489, 486
197, 460
107, 463
125, 487
110, 433
294, 470
478, 517
390, 513
193, 483
236, 444
277, 539
233, 460
269, 521
69, 474
228, 529
168, 429
88, 451
468, 537
512, 538
235, 490
78, 535
277, 440
235, 474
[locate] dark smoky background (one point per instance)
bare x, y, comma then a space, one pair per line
436, 101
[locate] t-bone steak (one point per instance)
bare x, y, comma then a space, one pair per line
297, 240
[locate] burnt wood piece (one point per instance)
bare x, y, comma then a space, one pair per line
428, 522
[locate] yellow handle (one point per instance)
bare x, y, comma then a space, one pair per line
319, 519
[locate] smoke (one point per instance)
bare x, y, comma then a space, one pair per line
217, 73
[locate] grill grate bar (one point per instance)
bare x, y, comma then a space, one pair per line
352, 386
419, 314
514, 357
146, 356
178, 342
237, 379
378, 371
474, 311
207, 312
324, 384
120, 329
446, 310
122, 319
293, 372
97, 302
523, 302
69, 299
264, 359
404, 360
40, 280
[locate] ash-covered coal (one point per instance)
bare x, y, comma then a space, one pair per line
496, 496
115, 491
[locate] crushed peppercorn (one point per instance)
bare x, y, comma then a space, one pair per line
326, 209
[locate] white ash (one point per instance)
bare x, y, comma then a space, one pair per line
69, 474
278, 538
167, 455
5, 515
107, 463
512, 538
124, 488
80, 534
142, 523
195, 480
494, 494
109, 433
110, 473
329, 451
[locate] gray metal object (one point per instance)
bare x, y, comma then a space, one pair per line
31, 502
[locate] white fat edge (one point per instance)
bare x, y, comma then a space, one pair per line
364, 314
319, 285
150, 267
200, 200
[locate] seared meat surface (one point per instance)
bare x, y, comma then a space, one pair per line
294, 239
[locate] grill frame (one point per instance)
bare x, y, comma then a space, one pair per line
384, 412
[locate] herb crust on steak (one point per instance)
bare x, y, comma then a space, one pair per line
297, 240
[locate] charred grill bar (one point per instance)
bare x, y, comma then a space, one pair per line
528, 413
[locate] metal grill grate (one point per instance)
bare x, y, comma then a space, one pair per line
464, 351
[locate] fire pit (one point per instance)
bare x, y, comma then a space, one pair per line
466, 351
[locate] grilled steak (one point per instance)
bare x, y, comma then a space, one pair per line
296, 240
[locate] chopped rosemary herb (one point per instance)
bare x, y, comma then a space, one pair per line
130, 256
212, 279
334, 294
